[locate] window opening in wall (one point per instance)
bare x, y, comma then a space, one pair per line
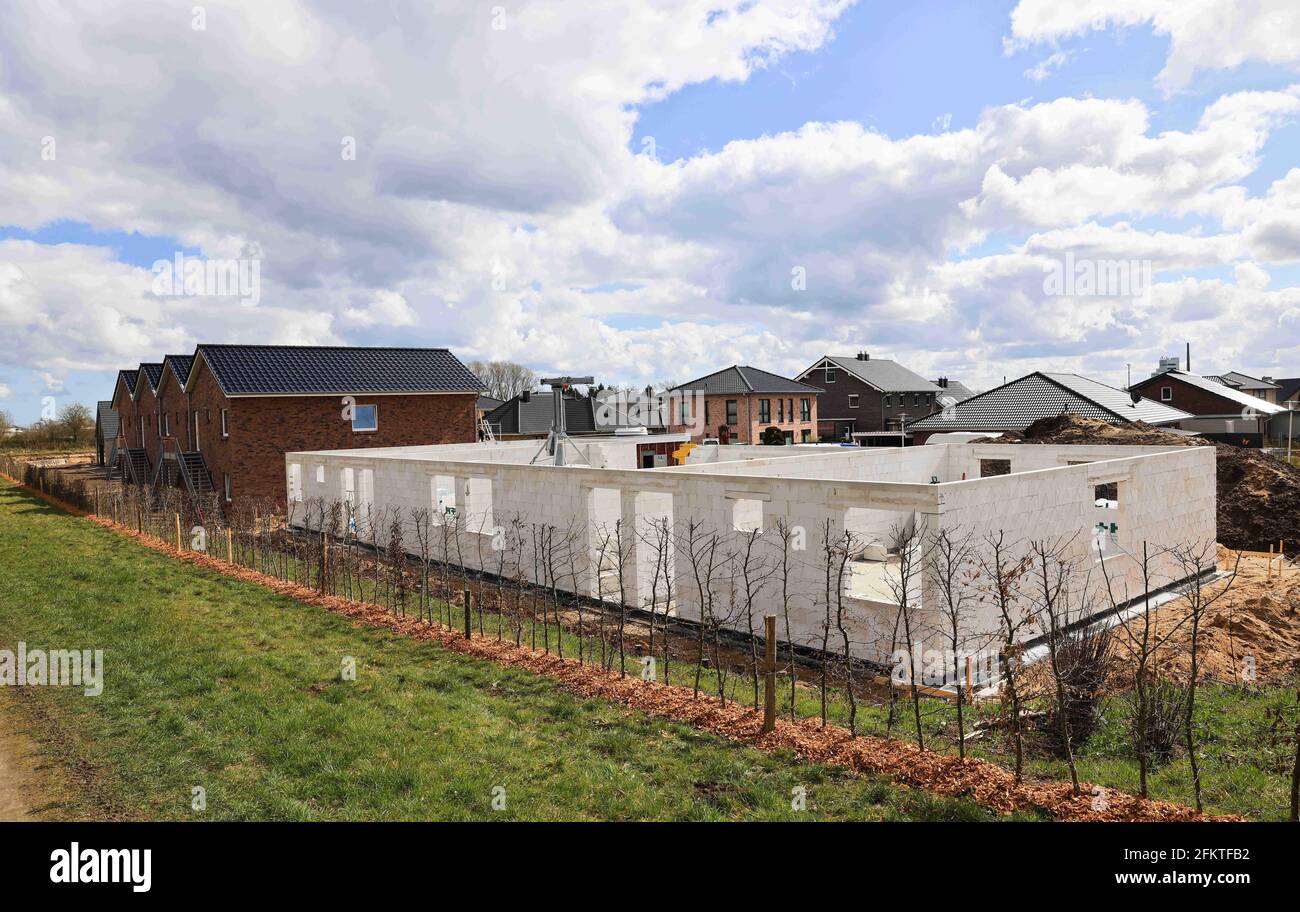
990, 468
442, 497
746, 515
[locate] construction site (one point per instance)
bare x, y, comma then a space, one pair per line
658, 540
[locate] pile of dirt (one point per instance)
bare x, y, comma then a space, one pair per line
1259, 494
1251, 633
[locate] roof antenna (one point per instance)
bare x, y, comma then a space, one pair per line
558, 436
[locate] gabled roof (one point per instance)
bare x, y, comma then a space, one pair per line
106, 420
180, 366
298, 370
1288, 389
743, 380
955, 388
487, 403
1018, 404
128, 379
882, 373
1241, 381
150, 372
1224, 392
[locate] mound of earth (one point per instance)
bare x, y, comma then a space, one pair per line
1258, 494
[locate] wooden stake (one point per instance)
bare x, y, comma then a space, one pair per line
230, 547
970, 691
177, 517
769, 673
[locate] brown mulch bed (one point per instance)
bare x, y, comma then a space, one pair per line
988, 784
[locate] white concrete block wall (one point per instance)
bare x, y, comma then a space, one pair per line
1166, 496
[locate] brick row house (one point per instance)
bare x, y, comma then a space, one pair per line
867, 399
222, 419
740, 402
1216, 411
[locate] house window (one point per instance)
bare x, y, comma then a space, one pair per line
853, 400
780, 410
764, 411
159, 416
227, 487
683, 411
1166, 394
916, 399
805, 409
225, 427
167, 425
731, 411
830, 376
789, 408
889, 402
706, 413
365, 419
320, 474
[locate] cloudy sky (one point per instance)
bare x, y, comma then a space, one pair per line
651, 190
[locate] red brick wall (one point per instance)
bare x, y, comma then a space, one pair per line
146, 404
176, 404
262, 430
126, 413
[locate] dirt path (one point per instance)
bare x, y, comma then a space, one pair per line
22, 786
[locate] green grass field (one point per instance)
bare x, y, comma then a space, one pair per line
217, 683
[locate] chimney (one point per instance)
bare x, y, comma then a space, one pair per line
1188, 368
864, 356
943, 383
1267, 379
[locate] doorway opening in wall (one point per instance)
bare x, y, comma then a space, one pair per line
605, 509
873, 567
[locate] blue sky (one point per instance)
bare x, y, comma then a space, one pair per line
498, 204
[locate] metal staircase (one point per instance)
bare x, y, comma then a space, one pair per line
182, 468
131, 464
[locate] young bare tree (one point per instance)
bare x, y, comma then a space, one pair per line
1195, 561
784, 537
846, 546
754, 574
1052, 574
1138, 641
949, 561
903, 583
1002, 571
701, 549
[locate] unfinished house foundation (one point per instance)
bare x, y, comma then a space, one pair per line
840, 539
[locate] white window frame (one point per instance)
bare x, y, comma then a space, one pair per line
225, 425
229, 489
1166, 394
853, 400
830, 376
356, 410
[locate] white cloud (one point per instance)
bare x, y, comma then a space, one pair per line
1049, 64
1203, 34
